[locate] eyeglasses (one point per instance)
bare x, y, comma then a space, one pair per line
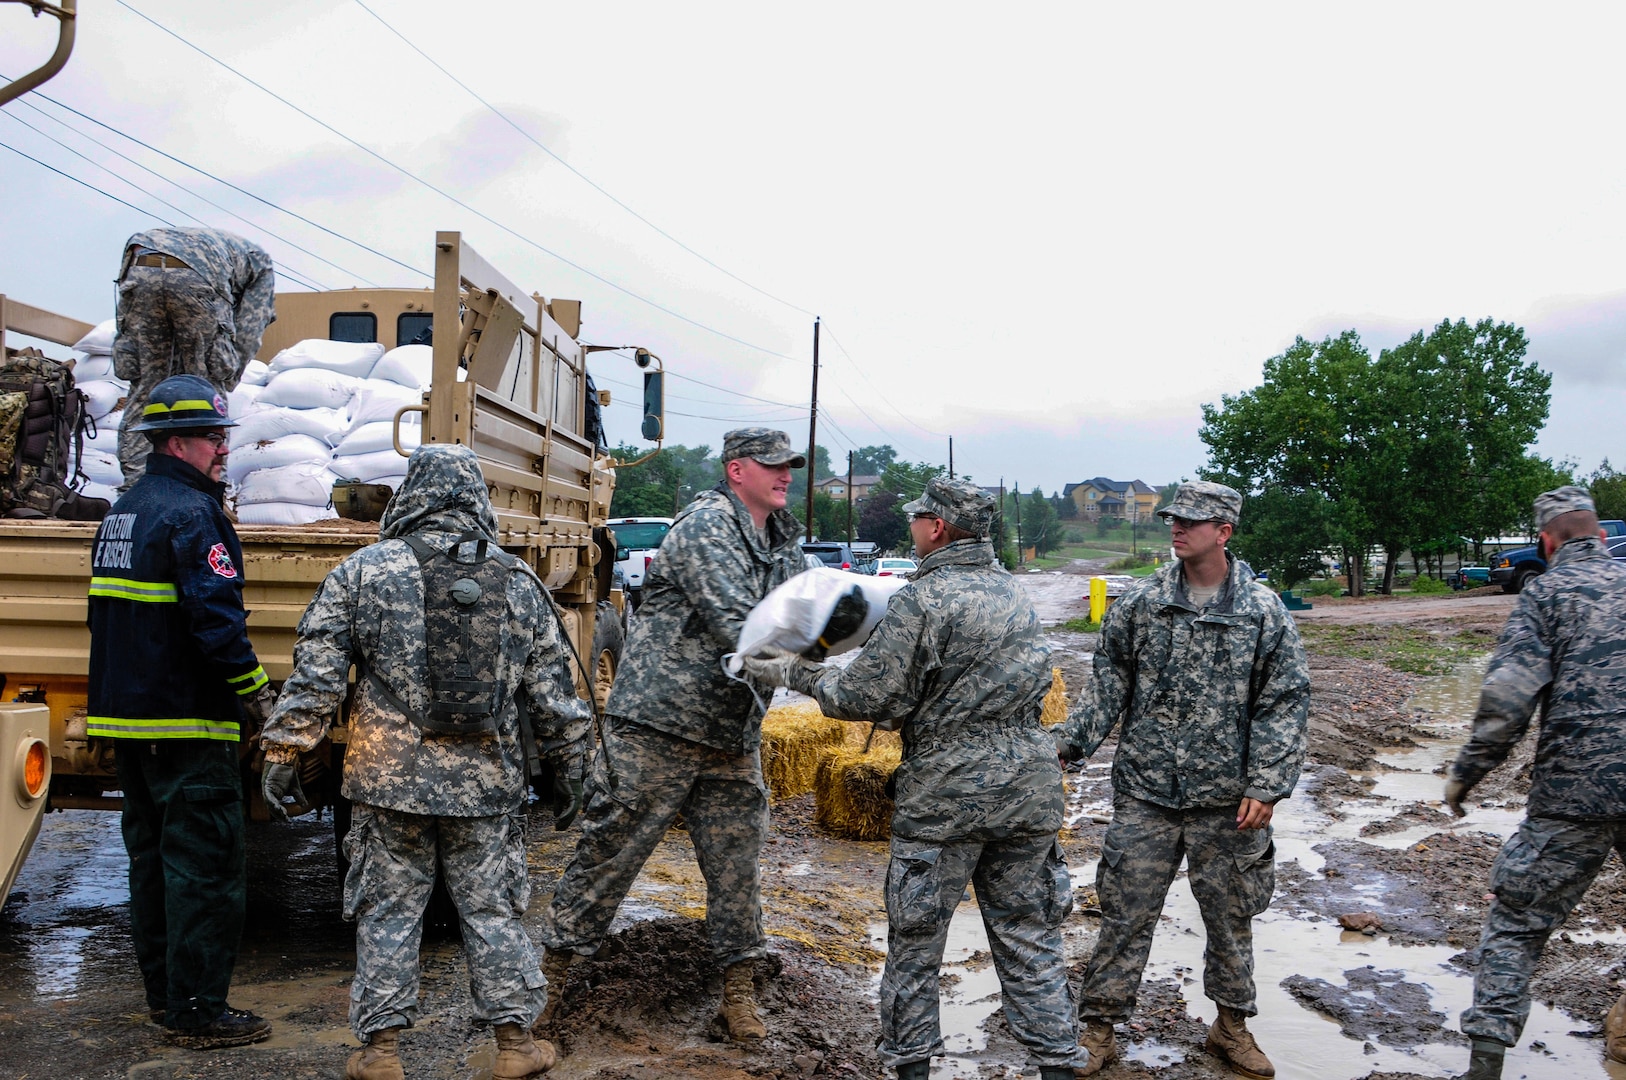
217, 439
922, 517
1188, 523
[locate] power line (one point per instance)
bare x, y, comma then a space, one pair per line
736, 393
872, 386
724, 419
573, 170
227, 183
454, 199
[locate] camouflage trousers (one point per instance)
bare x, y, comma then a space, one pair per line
641, 780
170, 322
1539, 876
393, 856
1232, 874
1023, 893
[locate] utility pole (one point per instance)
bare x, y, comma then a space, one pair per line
951, 457
849, 497
999, 527
1017, 489
813, 430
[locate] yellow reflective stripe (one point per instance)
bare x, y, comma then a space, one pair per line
248, 684
117, 727
156, 407
152, 592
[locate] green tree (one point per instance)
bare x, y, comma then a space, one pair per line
1608, 489
873, 460
665, 483
881, 521
1040, 528
1284, 533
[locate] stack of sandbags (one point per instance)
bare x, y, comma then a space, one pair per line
282, 446
104, 402
794, 739
366, 451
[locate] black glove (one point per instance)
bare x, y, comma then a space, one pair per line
278, 782
258, 706
845, 621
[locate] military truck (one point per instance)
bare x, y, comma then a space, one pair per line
509, 379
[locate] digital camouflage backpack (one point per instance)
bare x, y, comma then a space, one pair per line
42, 433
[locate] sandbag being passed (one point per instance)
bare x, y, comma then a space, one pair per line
793, 616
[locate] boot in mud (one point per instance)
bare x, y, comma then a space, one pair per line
739, 1009
555, 963
1230, 1040
1098, 1039
1614, 1031
519, 1055
377, 1060
915, 1070
1485, 1062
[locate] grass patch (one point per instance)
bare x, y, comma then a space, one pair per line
1081, 626
1411, 649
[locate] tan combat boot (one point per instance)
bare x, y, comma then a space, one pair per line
519, 1055
1230, 1040
1098, 1039
378, 1059
555, 963
739, 1009
1614, 1031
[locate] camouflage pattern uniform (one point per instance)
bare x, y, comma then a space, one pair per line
1215, 708
1563, 652
960, 666
202, 313
420, 796
679, 734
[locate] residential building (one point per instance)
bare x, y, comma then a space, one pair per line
1100, 497
836, 486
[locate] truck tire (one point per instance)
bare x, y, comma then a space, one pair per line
1525, 577
608, 639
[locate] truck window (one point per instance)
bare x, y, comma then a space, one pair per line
352, 326
640, 534
410, 325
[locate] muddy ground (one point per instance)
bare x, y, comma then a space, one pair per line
1364, 836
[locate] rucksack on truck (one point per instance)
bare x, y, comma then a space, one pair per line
43, 421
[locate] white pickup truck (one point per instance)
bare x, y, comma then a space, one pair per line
636, 539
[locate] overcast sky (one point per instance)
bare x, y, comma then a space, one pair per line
1050, 231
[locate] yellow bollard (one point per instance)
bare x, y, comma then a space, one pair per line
1098, 599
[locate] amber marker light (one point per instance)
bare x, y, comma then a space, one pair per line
36, 769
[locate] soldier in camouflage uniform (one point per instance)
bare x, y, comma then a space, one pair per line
959, 664
680, 735
418, 796
1563, 651
191, 302
1204, 669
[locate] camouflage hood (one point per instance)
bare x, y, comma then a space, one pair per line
444, 491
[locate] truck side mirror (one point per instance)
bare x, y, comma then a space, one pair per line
654, 405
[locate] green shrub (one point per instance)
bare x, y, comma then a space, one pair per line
1324, 587
1425, 584
1133, 561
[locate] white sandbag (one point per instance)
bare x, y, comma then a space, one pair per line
272, 422
93, 367
309, 388
288, 450
103, 396
99, 342
308, 482
242, 399
409, 365
100, 491
390, 480
282, 514
356, 358
101, 468
257, 373
364, 467
380, 399
794, 615
378, 435
106, 438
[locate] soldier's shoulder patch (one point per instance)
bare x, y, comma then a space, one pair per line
220, 561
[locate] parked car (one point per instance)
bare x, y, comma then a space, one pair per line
895, 567
1617, 547
1470, 577
1515, 569
636, 541
832, 553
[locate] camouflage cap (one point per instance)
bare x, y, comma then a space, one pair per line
1564, 500
958, 502
765, 446
1200, 500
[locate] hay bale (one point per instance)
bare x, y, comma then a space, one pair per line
1055, 702
850, 792
794, 738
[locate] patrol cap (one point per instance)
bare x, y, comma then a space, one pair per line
1564, 500
184, 401
958, 502
765, 446
1201, 500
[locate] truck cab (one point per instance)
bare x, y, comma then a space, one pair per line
1515, 569
636, 541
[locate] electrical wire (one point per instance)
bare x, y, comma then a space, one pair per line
573, 170
857, 367
487, 218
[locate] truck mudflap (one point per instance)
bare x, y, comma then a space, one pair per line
25, 776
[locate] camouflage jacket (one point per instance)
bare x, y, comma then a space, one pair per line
960, 666
240, 272
1563, 652
1214, 704
369, 611
710, 571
